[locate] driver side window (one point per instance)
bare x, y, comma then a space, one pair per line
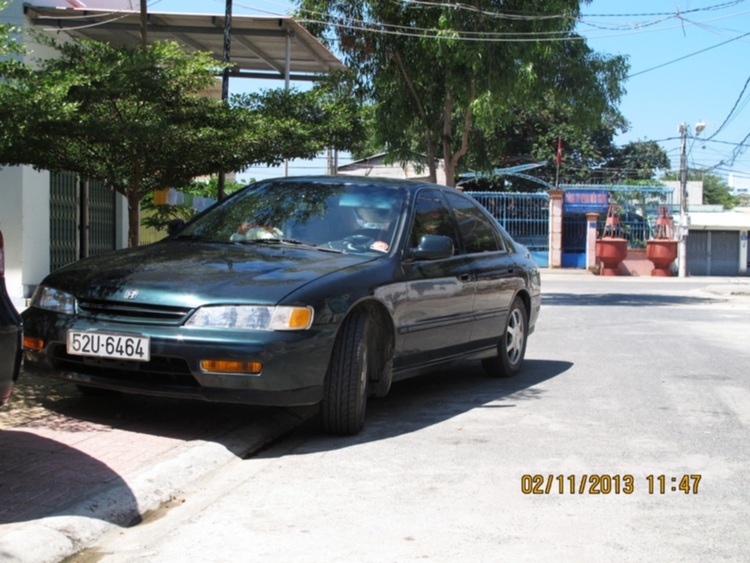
432, 217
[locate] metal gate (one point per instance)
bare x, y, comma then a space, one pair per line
101, 206
63, 217
72, 205
574, 232
713, 253
524, 215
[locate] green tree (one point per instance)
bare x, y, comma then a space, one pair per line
638, 160
7, 43
717, 192
439, 75
137, 119
133, 118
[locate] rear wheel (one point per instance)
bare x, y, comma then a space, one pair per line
512, 346
345, 395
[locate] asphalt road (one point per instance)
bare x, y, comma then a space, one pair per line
625, 439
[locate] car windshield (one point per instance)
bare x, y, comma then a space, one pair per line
335, 216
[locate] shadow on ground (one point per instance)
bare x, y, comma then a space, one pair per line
424, 401
32, 487
47, 425
623, 300
42, 475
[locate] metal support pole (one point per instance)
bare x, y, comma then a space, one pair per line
682, 239
225, 79
287, 73
144, 23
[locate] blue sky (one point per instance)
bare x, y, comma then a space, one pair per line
686, 66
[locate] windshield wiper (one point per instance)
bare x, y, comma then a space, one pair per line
273, 240
289, 241
198, 238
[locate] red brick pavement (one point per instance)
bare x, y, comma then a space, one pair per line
58, 448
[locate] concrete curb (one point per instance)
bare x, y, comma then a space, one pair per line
58, 536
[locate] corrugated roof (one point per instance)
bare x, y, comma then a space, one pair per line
258, 43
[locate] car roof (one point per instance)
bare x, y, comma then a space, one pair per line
411, 185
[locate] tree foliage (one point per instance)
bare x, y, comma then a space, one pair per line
7, 43
447, 80
138, 119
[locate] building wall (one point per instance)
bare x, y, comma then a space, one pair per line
24, 220
694, 189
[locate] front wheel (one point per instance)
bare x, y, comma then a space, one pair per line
512, 346
345, 395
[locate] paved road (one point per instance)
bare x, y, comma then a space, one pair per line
632, 387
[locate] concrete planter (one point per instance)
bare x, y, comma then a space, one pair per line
661, 253
611, 251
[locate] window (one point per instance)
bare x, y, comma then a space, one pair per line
432, 217
477, 231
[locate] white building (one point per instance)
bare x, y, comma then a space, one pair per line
376, 166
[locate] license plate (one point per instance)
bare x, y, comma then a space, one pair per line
108, 345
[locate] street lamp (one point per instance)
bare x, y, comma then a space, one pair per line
682, 239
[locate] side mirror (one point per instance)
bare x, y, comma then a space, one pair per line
175, 226
433, 247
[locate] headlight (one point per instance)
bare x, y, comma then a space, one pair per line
248, 317
52, 299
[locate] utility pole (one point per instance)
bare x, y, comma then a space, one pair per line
683, 234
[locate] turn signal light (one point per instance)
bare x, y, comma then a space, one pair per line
33, 343
231, 366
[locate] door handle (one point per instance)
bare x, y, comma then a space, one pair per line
464, 277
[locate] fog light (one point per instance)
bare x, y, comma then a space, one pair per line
32, 343
231, 366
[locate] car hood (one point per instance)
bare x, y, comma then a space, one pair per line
185, 273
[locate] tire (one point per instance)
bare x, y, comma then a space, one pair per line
512, 346
345, 394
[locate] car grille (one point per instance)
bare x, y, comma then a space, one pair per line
159, 371
136, 313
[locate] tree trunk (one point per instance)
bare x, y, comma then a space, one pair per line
448, 162
134, 219
431, 158
450, 158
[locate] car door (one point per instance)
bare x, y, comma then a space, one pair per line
10, 335
434, 318
495, 273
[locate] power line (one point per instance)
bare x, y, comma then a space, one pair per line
690, 55
726, 120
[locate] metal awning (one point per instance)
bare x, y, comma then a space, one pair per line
262, 46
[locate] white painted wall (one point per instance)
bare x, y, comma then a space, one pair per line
24, 220
694, 190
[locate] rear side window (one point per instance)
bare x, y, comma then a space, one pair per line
477, 230
432, 217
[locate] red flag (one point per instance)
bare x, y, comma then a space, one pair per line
559, 150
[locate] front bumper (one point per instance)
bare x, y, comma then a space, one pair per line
294, 363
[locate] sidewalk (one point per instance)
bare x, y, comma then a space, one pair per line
70, 469
718, 285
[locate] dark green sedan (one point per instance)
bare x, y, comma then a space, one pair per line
294, 291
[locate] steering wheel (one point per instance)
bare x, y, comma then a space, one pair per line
357, 243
